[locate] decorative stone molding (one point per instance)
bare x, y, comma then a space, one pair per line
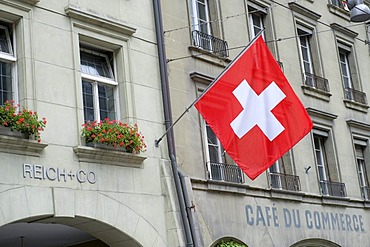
209, 57
317, 93
97, 19
304, 11
108, 157
355, 105
30, 1
16, 145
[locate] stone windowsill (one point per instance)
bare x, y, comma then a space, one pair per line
209, 57
108, 157
355, 105
319, 94
15, 145
338, 11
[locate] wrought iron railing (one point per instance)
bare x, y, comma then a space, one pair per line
366, 192
340, 4
210, 43
285, 181
333, 189
317, 82
226, 172
355, 95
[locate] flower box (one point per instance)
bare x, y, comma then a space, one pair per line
114, 135
6, 131
23, 123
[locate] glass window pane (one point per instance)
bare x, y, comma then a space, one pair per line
96, 65
106, 102
6, 82
4, 40
88, 101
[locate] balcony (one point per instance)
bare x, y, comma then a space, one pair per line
340, 4
365, 192
355, 95
226, 172
333, 189
285, 182
316, 82
211, 44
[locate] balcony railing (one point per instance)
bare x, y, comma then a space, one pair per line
317, 82
340, 4
209, 43
285, 181
355, 95
366, 193
333, 189
226, 172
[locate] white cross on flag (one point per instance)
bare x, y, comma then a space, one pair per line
254, 111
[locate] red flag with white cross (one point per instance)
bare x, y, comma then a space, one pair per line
253, 110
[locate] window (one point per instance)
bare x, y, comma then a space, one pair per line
325, 163
350, 81
308, 50
205, 28
7, 63
220, 165
362, 170
340, 4
281, 177
256, 19
98, 84
201, 16
353, 96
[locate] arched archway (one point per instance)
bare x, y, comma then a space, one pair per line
315, 242
104, 216
54, 232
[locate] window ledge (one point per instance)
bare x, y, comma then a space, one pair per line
339, 12
104, 21
108, 157
16, 145
335, 200
355, 105
317, 93
30, 1
209, 57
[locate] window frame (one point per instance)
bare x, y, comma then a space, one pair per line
100, 80
196, 23
10, 58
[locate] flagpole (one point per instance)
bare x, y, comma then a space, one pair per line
157, 141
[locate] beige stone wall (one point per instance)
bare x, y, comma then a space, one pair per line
136, 201
221, 215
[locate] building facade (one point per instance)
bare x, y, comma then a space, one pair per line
74, 62
317, 194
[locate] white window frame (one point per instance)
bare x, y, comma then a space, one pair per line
197, 22
321, 158
346, 73
360, 145
255, 10
100, 80
11, 58
307, 48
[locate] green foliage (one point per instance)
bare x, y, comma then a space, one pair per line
114, 133
25, 121
230, 243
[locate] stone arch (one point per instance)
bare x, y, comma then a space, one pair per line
80, 209
315, 242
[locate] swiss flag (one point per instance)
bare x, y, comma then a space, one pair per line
253, 110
